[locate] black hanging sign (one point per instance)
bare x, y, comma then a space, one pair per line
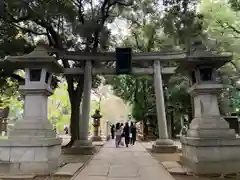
123, 60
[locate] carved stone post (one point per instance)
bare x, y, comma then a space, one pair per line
96, 124
32, 147
163, 144
210, 146
107, 131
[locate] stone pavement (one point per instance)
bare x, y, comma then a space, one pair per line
133, 163
148, 144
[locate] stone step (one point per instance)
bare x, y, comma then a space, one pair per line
171, 164
69, 169
13, 177
173, 167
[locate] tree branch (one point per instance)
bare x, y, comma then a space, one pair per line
28, 30
151, 40
13, 76
14, 20
222, 24
80, 11
235, 66
137, 43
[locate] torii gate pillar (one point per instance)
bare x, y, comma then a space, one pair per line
163, 144
84, 145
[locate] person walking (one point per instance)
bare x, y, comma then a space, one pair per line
121, 142
126, 132
66, 128
133, 134
130, 135
113, 131
118, 132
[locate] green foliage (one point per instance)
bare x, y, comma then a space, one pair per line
134, 90
82, 25
221, 21
59, 107
235, 4
12, 42
75, 25
147, 34
182, 22
138, 111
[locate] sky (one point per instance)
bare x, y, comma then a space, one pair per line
119, 28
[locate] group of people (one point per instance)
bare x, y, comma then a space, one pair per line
120, 130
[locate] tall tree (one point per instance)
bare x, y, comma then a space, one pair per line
12, 42
147, 26
75, 24
182, 21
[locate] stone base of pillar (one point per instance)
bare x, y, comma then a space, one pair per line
164, 146
37, 156
96, 138
32, 148
211, 155
84, 147
151, 137
210, 127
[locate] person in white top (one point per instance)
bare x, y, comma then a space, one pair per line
118, 133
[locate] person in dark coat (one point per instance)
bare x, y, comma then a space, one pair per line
113, 131
126, 132
133, 135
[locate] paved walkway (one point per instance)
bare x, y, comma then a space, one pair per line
133, 163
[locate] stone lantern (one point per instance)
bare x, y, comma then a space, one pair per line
32, 147
210, 146
96, 124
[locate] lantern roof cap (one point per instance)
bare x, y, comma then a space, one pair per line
199, 51
38, 58
38, 54
200, 56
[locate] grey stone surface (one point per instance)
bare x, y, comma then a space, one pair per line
133, 163
85, 106
210, 146
96, 138
95, 170
160, 104
69, 169
86, 150
22, 177
171, 164
156, 148
154, 173
211, 157
177, 170
123, 171
32, 147
94, 178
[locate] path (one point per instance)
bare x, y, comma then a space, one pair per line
133, 163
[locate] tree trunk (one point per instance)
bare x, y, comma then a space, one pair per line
75, 97
74, 128
74, 121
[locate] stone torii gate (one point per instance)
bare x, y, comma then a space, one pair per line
32, 147
163, 144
